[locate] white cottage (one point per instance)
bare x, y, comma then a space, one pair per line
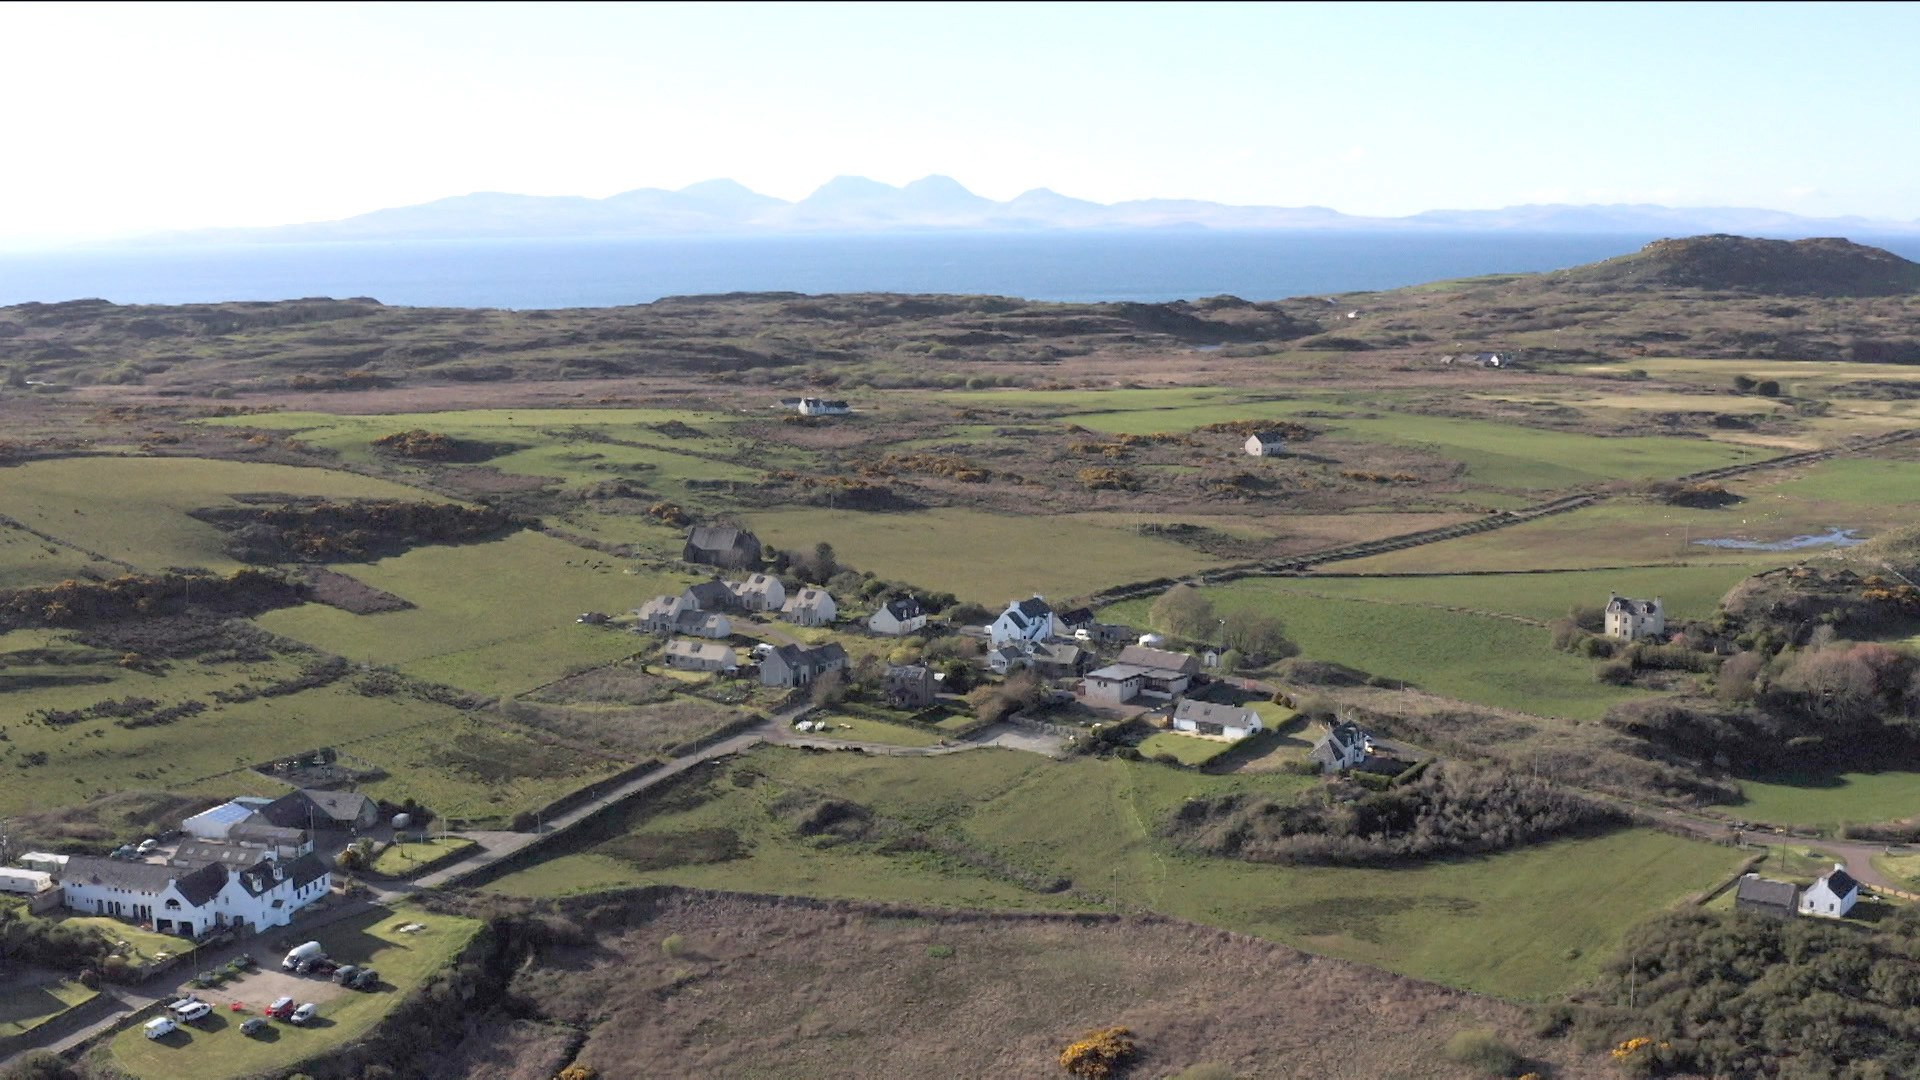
1629, 619
900, 615
1266, 444
192, 902
1832, 894
760, 592
1343, 747
1024, 620
1221, 721
810, 607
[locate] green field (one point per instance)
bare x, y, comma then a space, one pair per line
1864, 481
984, 557
495, 617
1096, 822
862, 729
1472, 657
1688, 592
27, 560
1903, 869
25, 1008
1831, 800
134, 508
214, 1049
1507, 456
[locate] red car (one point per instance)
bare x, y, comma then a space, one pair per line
281, 1008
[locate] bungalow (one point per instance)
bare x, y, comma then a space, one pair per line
1168, 673
312, 809
713, 595
910, 686
760, 592
792, 665
1024, 620
900, 615
701, 656
1115, 684
810, 607
1343, 747
264, 894
659, 614
1058, 659
823, 407
1629, 619
702, 624
721, 545
1009, 658
1774, 899
1266, 443
1832, 894
1208, 718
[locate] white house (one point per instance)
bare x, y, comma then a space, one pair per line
813, 406
1343, 747
192, 902
1629, 619
659, 614
1832, 894
714, 595
761, 592
900, 615
701, 656
703, 624
1208, 718
1266, 444
1115, 684
810, 607
1024, 620
793, 665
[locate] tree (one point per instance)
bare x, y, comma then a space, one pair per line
1256, 635
1743, 383
1184, 612
829, 689
1019, 691
1767, 388
1231, 661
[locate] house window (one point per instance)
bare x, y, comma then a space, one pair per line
173, 905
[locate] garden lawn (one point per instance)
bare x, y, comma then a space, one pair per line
213, 1049
862, 729
405, 860
1186, 749
1830, 799
1519, 925
495, 617
25, 1008
135, 508
1472, 657
984, 557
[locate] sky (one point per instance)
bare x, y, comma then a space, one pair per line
142, 118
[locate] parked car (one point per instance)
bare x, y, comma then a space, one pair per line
281, 1008
253, 1026
195, 1011
160, 1027
176, 1006
345, 975
366, 979
305, 1013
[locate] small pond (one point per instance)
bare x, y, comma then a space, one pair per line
1830, 538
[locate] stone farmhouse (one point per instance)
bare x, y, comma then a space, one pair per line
1629, 619
722, 545
898, 616
1774, 899
792, 665
1024, 620
1221, 721
910, 686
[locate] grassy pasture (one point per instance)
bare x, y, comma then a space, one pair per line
1689, 592
27, 560
1146, 421
214, 1049
1859, 481
1467, 656
405, 860
1506, 456
1830, 799
1186, 749
862, 729
1096, 821
134, 509
495, 617
983, 556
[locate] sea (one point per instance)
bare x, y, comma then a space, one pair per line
1063, 266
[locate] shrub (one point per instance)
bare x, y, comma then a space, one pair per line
578, 1072
673, 945
940, 952
1097, 1055
1483, 1051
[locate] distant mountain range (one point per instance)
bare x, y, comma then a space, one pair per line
855, 204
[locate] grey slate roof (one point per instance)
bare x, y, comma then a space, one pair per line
1212, 713
296, 809
1765, 893
202, 885
903, 608
1270, 438
197, 853
118, 874
711, 595
716, 537
307, 869
1160, 659
1631, 606
1839, 881
1034, 608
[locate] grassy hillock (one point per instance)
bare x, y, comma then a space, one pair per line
1817, 267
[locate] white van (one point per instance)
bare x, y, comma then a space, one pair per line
160, 1027
309, 951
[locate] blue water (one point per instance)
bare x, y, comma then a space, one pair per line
599, 273
1833, 537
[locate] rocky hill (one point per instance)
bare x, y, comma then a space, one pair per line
1822, 267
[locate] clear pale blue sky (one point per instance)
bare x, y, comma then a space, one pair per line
156, 117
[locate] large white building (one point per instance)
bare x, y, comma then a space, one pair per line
1024, 620
192, 902
1629, 619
